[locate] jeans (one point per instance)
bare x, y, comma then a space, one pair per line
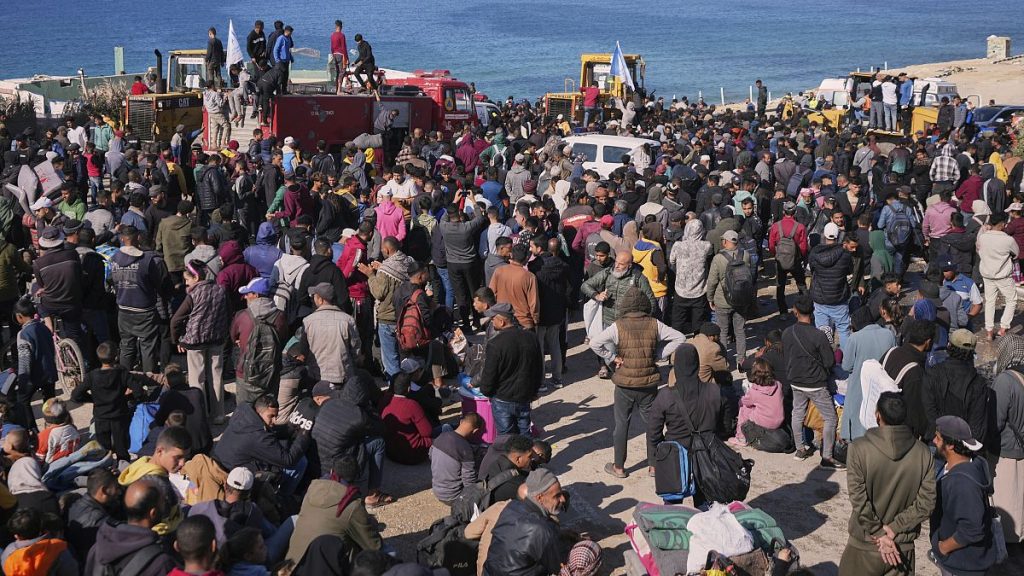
510, 417
550, 345
782, 278
465, 280
889, 113
823, 401
373, 466
725, 318
877, 115
446, 285
140, 333
689, 313
290, 477
95, 322
203, 361
277, 538
837, 315
598, 113
1005, 287
627, 402
388, 348
95, 186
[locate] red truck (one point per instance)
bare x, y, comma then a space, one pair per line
453, 103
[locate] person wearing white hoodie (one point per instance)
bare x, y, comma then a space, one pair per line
997, 251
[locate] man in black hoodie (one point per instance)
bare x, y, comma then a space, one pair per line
917, 339
953, 387
133, 547
214, 58
322, 269
553, 295
256, 43
961, 537
809, 363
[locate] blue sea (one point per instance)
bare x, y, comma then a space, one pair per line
526, 47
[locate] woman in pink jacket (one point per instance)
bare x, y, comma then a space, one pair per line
762, 404
390, 218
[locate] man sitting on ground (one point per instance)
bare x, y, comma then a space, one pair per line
452, 464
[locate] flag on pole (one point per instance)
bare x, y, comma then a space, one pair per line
234, 49
619, 67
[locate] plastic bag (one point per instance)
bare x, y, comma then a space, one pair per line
718, 530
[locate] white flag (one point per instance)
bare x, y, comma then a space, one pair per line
20, 195
234, 50
620, 69
48, 177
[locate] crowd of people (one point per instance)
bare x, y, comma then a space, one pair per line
351, 301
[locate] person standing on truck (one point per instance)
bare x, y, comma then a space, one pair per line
272, 41
283, 57
339, 54
592, 103
214, 58
256, 45
366, 64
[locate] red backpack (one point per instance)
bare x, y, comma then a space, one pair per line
412, 333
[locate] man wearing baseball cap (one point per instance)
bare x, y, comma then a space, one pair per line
235, 511
259, 308
831, 264
954, 387
332, 337
730, 309
961, 538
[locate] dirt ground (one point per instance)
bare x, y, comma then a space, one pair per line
809, 504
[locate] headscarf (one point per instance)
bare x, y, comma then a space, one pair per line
327, 555
584, 559
1010, 353
691, 390
877, 241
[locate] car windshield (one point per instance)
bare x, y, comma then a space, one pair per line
613, 154
986, 114
589, 151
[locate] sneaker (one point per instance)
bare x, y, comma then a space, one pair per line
554, 383
603, 373
803, 453
832, 464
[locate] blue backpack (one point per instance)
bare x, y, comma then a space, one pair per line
138, 430
673, 478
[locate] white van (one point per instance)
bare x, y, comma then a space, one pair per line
603, 153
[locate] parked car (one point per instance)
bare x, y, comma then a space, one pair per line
603, 153
988, 118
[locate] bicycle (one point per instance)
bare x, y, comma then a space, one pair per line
69, 359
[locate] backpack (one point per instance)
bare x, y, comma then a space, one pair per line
719, 472
874, 380
786, 251
446, 547
899, 230
476, 498
137, 562
796, 181
262, 358
412, 332
141, 422
740, 291
673, 478
498, 159
324, 163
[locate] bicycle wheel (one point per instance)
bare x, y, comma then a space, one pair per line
70, 365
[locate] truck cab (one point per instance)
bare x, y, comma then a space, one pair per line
596, 68
453, 101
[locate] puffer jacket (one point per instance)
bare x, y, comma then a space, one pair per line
606, 281
830, 265
389, 276
211, 188
202, 319
524, 542
354, 252
85, 517
138, 277
344, 422
249, 443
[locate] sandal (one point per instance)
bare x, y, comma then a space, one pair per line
382, 499
610, 468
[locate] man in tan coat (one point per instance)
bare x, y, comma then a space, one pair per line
713, 365
515, 285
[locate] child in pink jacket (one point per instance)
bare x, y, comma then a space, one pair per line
762, 404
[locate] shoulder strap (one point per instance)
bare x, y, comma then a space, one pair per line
501, 478
139, 561
1017, 433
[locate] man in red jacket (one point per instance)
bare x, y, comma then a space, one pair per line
409, 434
788, 227
352, 260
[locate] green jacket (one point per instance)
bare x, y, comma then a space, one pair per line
891, 480
716, 278
174, 241
11, 265
74, 210
605, 281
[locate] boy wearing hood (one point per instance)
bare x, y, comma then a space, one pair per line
961, 535
892, 490
264, 254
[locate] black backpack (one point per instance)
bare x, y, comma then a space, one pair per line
740, 290
721, 474
446, 547
787, 254
477, 497
324, 163
899, 230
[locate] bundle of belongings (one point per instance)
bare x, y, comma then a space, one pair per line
676, 539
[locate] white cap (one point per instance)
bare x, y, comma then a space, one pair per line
1015, 207
42, 202
831, 231
560, 117
241, 479
348, 233
288, 141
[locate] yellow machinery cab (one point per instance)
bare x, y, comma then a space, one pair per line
178, 99
596, 68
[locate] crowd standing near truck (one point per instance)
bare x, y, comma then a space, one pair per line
339, 283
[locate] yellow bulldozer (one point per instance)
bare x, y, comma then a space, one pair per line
177, 99
596, 69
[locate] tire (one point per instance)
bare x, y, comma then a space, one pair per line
70, 365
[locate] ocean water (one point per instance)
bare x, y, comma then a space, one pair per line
528, 47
